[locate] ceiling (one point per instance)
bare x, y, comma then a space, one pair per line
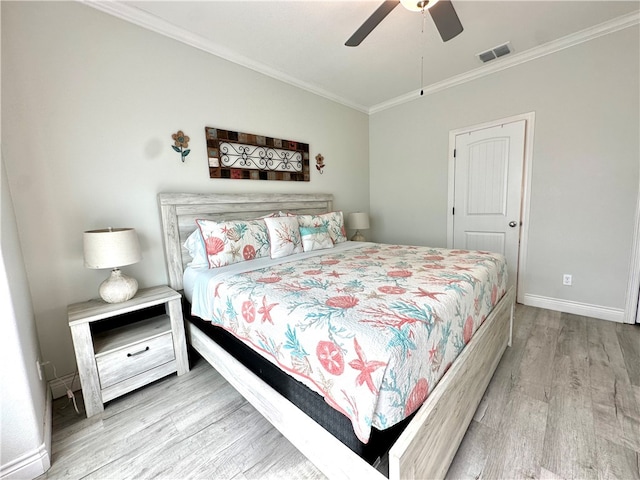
302, 42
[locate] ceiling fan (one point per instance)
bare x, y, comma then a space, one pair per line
442, 13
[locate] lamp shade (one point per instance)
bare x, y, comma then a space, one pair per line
111, 248
358, 221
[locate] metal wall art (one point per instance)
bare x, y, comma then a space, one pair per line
255, 157
181, 144
320, 163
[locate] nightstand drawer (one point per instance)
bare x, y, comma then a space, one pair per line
136, 358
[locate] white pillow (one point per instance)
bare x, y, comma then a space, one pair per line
284, 236
315, 238
195, 246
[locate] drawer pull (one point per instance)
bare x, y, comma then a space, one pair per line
137, 353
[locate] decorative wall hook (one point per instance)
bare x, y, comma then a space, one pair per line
181, 144
320, 162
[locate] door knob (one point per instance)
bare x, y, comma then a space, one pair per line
513, 224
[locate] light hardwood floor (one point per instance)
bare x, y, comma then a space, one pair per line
563, 403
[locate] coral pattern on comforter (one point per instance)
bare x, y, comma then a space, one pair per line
372, 329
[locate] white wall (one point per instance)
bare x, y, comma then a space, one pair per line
25, 444
584, 169
23, 441
89, 106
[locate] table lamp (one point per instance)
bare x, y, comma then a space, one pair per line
113, 248
358, 221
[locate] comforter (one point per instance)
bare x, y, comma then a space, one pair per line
372, 328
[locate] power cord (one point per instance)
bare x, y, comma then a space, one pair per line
70, 395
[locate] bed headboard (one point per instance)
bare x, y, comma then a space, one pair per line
179, 212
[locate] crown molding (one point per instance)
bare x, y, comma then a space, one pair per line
554, 46
158, 25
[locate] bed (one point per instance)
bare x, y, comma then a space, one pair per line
429, 437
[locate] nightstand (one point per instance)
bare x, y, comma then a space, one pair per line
114, 361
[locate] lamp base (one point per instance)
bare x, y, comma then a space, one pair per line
118, 287
358, 237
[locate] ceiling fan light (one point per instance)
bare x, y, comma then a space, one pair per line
417, 5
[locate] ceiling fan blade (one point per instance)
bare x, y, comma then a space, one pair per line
372, 22
446, 20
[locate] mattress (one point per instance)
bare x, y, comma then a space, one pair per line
371, 328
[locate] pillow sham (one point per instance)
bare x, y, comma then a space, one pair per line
315, 238
234, 241
334, 221
284, 236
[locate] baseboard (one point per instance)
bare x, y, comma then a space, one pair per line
48, 430
59, 385
575, 308
31, 465
34, 463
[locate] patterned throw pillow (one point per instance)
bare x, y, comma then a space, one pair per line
234, 241
315, 238
284, 236
333, 221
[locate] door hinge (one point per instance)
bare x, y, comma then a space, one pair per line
454, 153
453, 211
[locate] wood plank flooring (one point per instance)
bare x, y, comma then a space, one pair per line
564, 403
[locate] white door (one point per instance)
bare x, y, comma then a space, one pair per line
487, 191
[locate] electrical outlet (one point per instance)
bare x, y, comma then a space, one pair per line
40, 367
567, 279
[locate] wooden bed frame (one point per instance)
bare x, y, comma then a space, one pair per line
428, 444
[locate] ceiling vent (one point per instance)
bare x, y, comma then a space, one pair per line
495, 52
